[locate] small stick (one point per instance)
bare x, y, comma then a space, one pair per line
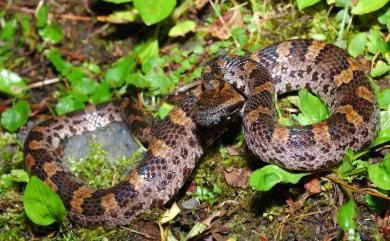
137, 232
43, 83
188, 86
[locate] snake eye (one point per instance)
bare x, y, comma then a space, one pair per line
210, 85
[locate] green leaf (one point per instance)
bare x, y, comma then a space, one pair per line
164, 109
160, 83
146, 50
384, 133
346, 165
306, 3
312, 108
240, 35
55, 58
138, 80
376, 42
367, 6
42, 205
267, 177
380, 68
379, 173
384, 98
118, 1
84, 86
181, 28
8, 31
154, 11
19, 175
345, 218
68, 104
385, 19
119, 71
125, 16
42, 15
51, 33
357, 44
11, 83
91, 67
102, 93
13, 118
342, 3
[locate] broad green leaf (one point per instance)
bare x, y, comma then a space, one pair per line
346, 165
119, 71
160, 83
384, 133
41, 16
25, 23
68, 104
147, 49
154, 11
267, 177
384, 98
346, 219
118, 1
151, 63
342, 3
376, 42
51, 33
182, 28
11, 83
367, 6
19, 175
164, 109
379, 173
15, 117
42, 205
102, 93
385, 19
84, 86
380, 68
72, 73
55, 58
124, 16
357, 44
138, 80
312, 108
306, 3
8, 31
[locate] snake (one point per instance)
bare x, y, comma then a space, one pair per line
233, 86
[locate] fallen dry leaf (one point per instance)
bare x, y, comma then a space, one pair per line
221, 28
238, 177
313, 186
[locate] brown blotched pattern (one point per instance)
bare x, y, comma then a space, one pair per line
232, 84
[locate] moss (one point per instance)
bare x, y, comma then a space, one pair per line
97, 170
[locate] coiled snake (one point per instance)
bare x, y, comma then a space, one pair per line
232, 86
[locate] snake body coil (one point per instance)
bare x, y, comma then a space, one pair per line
232, 84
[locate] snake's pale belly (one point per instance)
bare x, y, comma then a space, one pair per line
178, 143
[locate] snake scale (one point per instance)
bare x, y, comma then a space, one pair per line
244, 86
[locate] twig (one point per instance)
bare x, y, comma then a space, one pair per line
356, 189
43, 83
187, 87
137, 232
